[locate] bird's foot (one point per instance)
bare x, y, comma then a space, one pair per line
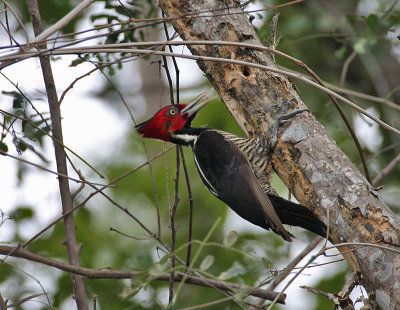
281, 120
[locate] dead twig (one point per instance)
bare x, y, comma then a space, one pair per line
385, 171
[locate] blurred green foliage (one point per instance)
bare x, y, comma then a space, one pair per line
322, 35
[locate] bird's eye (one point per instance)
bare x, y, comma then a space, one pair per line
172, 111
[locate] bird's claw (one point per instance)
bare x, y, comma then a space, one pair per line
281, 120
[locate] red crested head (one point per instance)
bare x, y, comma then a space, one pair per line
171, 119
166, 120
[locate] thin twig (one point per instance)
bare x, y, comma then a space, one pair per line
389, 10
320, 252
190, 199
385, 171
364, 96
345, 67
175, 67
342, 114
172, 209
173, 228
211, 231
326, 248
129, 236
23, 300
34, 279
54, 138
50, 171
26, 98
299, 257
146, 152
363, 244
90, 196
288, 269
18, 20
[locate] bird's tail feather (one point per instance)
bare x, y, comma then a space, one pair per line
295, 214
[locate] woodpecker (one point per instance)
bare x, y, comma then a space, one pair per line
233, 169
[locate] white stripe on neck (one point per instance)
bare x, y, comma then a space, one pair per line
190, 139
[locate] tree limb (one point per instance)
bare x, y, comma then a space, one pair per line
128, 274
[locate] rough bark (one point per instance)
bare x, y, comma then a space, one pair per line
310, 163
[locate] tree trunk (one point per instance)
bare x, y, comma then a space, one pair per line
309, 162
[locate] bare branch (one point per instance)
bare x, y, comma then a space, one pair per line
66, 198
385, 171
127, 274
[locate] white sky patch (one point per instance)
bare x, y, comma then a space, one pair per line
191, 74
368, 131
90, 128
366, 7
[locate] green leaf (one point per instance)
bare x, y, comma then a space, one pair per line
372, 41
372, 20
3, 147
111, 70
76, 62
359, 47
340, 52
231, 238
137, 283
19, 112
207, 262
21, 145
234, 271
18, 99
40, 133
22, 213
7, 272
165, 258
123, 10
352, 21
29, 130
129, 292
98, 16
156, 270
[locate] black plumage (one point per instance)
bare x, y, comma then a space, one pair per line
227, 172
234, 169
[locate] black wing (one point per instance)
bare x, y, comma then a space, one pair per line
227, 173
